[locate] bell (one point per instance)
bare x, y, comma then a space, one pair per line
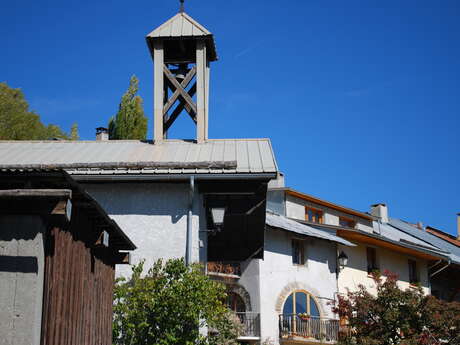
181, 71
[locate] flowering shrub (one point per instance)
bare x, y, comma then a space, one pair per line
395, 316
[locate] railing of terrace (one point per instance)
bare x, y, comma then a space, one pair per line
321, 329
251, 324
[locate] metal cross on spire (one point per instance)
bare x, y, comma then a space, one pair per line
181, 9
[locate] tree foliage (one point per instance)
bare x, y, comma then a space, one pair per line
17, 122
395, 316
169, 306
74, 132
130, 121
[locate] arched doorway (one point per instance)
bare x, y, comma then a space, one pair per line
301, 316
301, 302
235, 302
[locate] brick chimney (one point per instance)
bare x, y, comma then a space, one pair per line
102, 134
380, 211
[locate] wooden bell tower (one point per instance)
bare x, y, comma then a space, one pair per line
182, 50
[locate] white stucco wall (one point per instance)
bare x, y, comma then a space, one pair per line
355, 273
279, 277
154, 216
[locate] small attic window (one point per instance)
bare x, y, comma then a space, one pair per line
313, 215
347, 222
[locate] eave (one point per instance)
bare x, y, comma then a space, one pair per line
376, 240
325, 203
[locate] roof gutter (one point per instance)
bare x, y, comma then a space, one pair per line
171, 177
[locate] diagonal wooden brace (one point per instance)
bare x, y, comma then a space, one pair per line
184, 84
182, 93
169, 121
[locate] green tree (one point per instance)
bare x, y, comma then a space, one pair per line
17, 122
74, 132
130, 121
395, 316
169, 305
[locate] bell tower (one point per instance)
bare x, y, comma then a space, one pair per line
182, 50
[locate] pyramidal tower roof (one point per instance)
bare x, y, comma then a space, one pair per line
184, 26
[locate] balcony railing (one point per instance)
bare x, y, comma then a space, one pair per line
224, 268
320, 329
251, 324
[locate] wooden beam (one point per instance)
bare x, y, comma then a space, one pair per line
158, 91
102, 240
179, 109
42, 193
201, 91
182, 93
176, 93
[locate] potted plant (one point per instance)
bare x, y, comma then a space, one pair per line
304, 316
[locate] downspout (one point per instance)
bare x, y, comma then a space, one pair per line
441, 269
188, 255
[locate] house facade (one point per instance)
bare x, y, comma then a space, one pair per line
288, 295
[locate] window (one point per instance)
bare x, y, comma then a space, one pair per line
300, 302
298, 252
347, 222
313, 215
413, 274
372, 260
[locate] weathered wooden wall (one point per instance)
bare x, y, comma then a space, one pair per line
77, 305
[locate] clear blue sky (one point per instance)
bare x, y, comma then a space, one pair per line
361, 99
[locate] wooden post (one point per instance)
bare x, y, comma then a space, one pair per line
208, 72
158, 92
201, 135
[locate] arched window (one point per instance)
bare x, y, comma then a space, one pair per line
236, 303
301, 302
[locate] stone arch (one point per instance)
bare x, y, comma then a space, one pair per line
297, 286
243, 293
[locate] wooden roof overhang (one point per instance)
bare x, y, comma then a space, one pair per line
325, 203
400, 247
243, 233
53, 194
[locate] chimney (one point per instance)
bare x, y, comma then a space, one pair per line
458, 226
102, 134
380, 211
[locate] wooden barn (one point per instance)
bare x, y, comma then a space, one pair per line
58, 251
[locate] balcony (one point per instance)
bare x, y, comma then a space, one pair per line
251, 325
230, 270
311, 329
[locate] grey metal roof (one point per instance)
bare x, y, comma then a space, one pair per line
281, 222
395, 234
181, 25
121, 157
184, 26
428, 238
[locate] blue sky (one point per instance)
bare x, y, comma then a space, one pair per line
360, 98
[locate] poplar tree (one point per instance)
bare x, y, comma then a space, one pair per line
74, 132
130, 121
